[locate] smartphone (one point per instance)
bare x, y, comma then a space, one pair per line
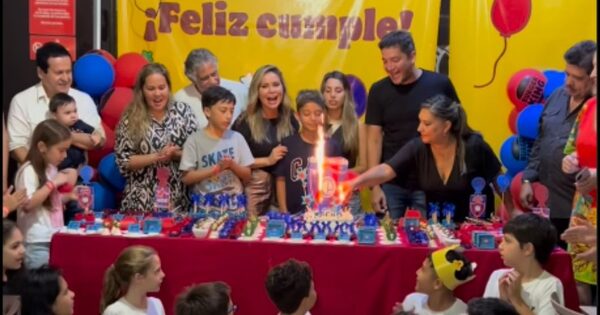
583, 174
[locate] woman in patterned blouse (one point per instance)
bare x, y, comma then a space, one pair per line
149, 137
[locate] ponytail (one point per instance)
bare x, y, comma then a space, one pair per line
445, 108
463, 132
133, 260
111, 291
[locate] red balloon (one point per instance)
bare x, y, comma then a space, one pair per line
104, 54
526, 87
113, 103
95, 156
127, 68
510, 16
512, 120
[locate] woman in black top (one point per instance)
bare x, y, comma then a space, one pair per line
446, 157
13, 253
343, 126
268, 119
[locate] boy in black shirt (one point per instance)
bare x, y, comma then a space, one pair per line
291, 172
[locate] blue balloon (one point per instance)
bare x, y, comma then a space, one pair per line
554, 80
508, 157
104, 197
359, 92
93, 74
110, 173
528, 121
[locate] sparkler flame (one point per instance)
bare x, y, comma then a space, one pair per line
320, 157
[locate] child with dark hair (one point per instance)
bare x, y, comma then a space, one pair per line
45, 291
291, 172
84, 137
63, 108
13, 254
490, 306
291, 287
213, 298
216, 159
527, 244
441, 272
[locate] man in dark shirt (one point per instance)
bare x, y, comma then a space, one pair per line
392, 117
560, 111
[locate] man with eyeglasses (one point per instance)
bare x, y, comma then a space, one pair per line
202, 68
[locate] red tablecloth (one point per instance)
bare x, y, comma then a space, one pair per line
348, 279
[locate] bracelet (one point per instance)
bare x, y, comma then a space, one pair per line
50, 185
5, 211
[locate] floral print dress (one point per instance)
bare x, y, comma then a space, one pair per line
583, 141
139, 194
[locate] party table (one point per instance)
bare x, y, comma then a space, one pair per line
358, 279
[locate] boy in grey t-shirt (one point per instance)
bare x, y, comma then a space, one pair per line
216, 159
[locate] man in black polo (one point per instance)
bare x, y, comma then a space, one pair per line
392, 117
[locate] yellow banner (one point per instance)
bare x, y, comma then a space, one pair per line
537, 35
304, 38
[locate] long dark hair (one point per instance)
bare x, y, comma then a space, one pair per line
14, 277
349, 119
40, 290
8, 227
445, 108
50, 132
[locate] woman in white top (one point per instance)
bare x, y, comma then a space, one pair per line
136, 272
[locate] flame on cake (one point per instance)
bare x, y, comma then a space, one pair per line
320, 157
328, 175
342, 192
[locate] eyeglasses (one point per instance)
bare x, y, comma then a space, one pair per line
232, 309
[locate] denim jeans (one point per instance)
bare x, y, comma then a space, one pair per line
399, 199
36, 255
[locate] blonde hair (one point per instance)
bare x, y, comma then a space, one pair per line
132, 260
253, 115
349, 120
137, 112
